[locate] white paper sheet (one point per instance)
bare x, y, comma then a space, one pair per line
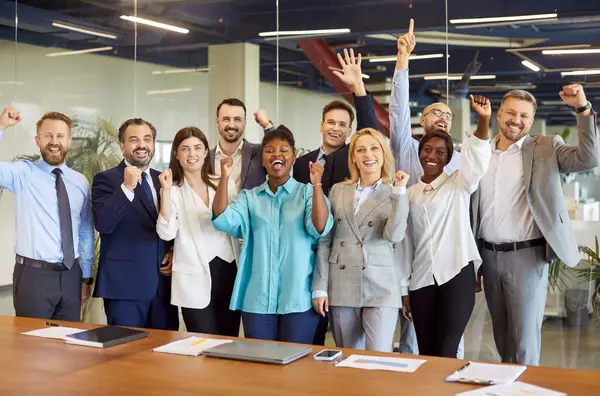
381, 363
514, 389
487, 373
192, 346
52, 332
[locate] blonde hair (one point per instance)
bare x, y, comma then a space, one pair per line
388, 170
56, 116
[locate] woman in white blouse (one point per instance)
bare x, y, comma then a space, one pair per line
441, 270
204, 259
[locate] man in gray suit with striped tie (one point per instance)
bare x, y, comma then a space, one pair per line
520, 217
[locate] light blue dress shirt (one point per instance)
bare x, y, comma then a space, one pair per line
278, 253
405, 148
37, 220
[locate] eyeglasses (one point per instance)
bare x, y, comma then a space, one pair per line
438, 113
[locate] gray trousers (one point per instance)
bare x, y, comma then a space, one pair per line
515, 285
47, 294
364, 328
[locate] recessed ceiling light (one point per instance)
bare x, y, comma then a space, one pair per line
531, 65
82, 30
572, 51
504, 18
78, 52
155, 24
303, 32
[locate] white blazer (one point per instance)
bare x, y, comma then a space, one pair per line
197, 242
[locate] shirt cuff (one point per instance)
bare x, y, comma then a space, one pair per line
319, 294
127, 193
399, 190
404, 290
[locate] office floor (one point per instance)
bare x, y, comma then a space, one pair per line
562, 346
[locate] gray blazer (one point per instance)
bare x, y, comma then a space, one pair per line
544, 158
253, 173
355, 261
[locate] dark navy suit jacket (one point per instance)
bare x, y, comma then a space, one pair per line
130, 250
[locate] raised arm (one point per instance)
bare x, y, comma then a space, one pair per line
234, 218
319, 210
351, 75
405, 148
262, 118
476, 152
167, 224
12, 175
395, 226
584, 156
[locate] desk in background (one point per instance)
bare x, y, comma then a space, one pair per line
34, 366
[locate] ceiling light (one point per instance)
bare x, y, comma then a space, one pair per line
554, 47
175, 71
155, 24
531, 65
580, 72
168, 91
572, 51
303, 32
504, 19
85, 51
412, 57
458, 77
82, 30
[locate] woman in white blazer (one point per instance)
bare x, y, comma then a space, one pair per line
357, 276
204, 259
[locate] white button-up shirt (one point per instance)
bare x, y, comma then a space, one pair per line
440, 242
235, 180
505, 214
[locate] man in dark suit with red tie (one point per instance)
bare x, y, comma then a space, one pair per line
134, 272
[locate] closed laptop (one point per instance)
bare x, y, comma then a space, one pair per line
258, 352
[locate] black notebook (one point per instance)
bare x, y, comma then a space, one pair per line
104, 337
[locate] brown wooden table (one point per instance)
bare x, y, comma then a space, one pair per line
34, 366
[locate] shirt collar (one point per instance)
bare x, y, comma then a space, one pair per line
373, 187
518, 144
289, 187
237, 149
43, 165
321, 153
434, 185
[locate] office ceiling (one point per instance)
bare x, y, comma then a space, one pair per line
374, 25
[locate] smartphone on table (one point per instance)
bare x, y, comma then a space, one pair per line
328, 355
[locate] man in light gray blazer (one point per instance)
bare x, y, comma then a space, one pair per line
520, 217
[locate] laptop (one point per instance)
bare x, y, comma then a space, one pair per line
258, 352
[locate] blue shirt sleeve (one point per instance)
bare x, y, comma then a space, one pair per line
235, 220
13, 175
87, 254
308, 223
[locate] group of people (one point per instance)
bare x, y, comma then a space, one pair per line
354, 234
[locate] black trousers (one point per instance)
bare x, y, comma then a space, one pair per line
441, 313
47, 294
321, 333
216, 318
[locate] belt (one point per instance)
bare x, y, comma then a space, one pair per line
40, 264
513, 246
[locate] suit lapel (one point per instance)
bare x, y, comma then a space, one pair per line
348, 198
379, 195
527, 157
247, 150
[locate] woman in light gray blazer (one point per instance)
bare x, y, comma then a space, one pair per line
356, 273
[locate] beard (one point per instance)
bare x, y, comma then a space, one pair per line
51, 158
511, 135
225, 133
139, 163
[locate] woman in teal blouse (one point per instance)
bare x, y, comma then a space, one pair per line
280, 223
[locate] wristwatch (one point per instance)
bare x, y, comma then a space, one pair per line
584, 108
87, 281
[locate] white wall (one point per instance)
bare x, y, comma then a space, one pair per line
117, 89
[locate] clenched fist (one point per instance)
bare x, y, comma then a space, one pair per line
406, 42
482, 106
132, 176
573, 95
316, 172
401, 179
261, 117
226, 164
166, 179
9, 117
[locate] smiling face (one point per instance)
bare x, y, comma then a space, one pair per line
335, 128
191, 154
138, 145
437, 117
433, 157
278, 158
231, 122
54, 139
368, 156
515, 118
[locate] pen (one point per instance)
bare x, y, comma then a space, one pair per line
52, 324
199, 342
339, 360
464, 367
